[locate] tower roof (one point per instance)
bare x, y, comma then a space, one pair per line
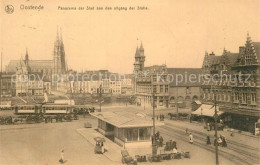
141, 47
137, 53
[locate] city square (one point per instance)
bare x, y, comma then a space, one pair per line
130, 82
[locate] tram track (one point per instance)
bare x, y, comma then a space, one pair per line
234, 144
241, 157
230, 142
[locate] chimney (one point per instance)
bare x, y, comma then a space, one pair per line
212, 54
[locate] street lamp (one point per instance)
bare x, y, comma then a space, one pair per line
154, 147
100, 96
216, 128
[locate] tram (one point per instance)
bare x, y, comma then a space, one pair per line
27, 109
49, 109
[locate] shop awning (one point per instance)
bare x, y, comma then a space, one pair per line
207, 110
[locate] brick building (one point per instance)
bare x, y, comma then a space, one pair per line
236, 84
161, 81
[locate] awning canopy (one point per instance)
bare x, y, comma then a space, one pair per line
207, 110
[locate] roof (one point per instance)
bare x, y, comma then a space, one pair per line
125, 119
12, 66
207, 110
182, 72
232, 57
213, 59
40, 63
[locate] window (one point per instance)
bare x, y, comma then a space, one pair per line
253, 98
161, 88
144, 134
166, 88
154, 89
236, 97
131, 134
244, 98
223, 97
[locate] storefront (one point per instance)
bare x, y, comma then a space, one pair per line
130, 130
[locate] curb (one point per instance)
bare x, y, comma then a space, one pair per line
94, 146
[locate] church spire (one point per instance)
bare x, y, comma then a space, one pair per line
61, 36
137, 53
248, 38
26, 60
57, 36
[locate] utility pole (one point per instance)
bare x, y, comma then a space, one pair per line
1, 78
100, 96
154, 149
216, 129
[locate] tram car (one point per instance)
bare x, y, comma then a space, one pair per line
50, 109
27, 109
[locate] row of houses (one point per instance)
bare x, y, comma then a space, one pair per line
235, 82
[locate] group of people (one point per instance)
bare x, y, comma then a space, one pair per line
220, 141
158, 139
161, 117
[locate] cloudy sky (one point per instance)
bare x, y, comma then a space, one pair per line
175, 32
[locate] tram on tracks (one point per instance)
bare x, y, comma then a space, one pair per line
48, 112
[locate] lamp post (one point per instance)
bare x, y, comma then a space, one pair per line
154, 149
216, 128
100, 96
1, 78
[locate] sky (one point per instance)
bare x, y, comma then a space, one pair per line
175, 32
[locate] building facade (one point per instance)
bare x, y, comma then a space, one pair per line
161, 81
236, 84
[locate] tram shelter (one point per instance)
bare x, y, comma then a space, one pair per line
127, 129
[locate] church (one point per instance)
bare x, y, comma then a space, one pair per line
47, 67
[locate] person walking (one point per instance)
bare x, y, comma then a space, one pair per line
186, 130
191, 138
61, 157
219, 141
224, 141
208, 127
208, 140
161, 141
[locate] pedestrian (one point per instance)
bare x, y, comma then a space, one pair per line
61, 157
208, 127
208, 140
157, 117
191, 138
161, 141
224, 142
219, 141
175, 150
186, 130
232, 134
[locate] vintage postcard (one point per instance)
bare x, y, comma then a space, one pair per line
104, 82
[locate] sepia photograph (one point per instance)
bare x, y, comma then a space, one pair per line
110, 82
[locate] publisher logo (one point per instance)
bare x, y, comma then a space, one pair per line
9, 9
